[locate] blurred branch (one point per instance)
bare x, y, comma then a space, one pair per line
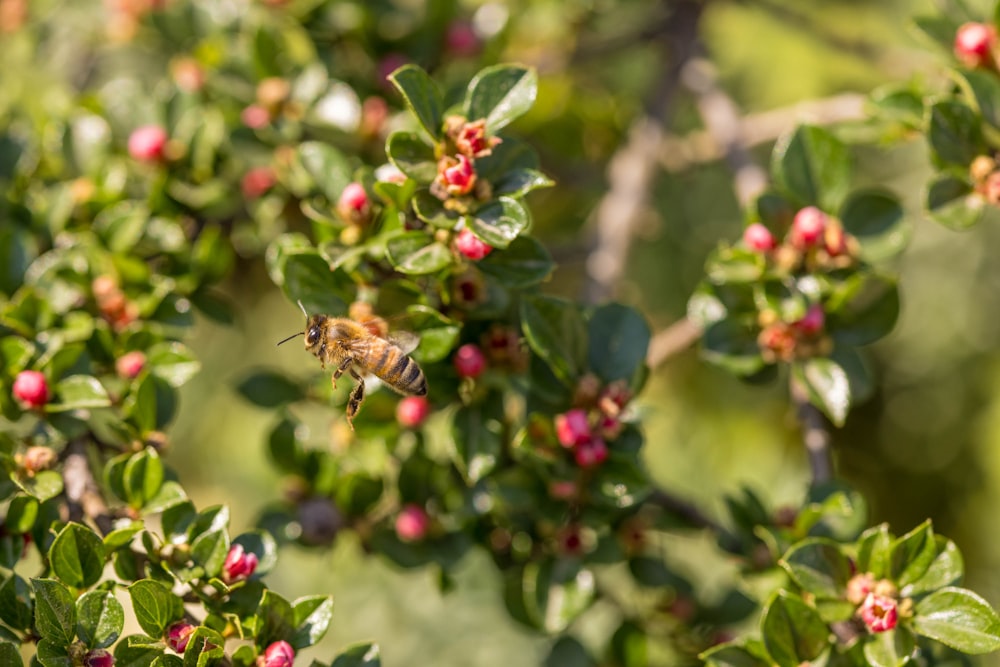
673, 340
83, 495
815, 434
701, 146
687, 511
802, 23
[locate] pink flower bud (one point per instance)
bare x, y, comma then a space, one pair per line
239, 564
178, 635
562, 489
778, 340
609, 427
146, 143
470, 138
38, 458
573, 428
879, 612
470, 362
278, 654
758, 238
188, 74
461, 39
412, 523
129, 365
591, 453
807, 227
98, 657
353, 205
812, 323
614, 398
257, 182
859, 586
974, 44
456, 175
255, 117
470, 246
31, 389
412, 411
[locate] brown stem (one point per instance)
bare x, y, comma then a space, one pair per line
671, 341
83, 495
815, 434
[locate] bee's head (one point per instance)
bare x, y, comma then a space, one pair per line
315, 325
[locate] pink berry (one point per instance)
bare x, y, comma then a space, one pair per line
353, 197
146, 143
812, 323
572, 428
257, 182
239, 564
412, 411
879, 612
255, 116
461, 39
974, 44
591, 453
98, 657
179, 634
412, 523
278, 654
470, 362
470, 246
758, 238
808, 227
31, 389
130, 364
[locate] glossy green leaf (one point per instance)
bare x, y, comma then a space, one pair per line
819, 567
312, 616
875, 218
958, 618
951, 202
983, 89
55, 611
477, 440
143, 476
119, 537
519, 182
793, 631
733, 654
10, 654
270, 389
912, 554
261, 544
618, 337
556, 332
100, 618
732, 345
890, 649
416, 253
568, 652
946, 569
155, 606
209, 550
51, 653
813, 166
523, 263
438, 333
308, 278
277, 618
359, 655
42, 486
205, 648
431, 210
16, 604
422, 97
865, 310
327, 166
955, 133
875, 551
500, 94
412, 156
173, 361
79, 392
827, 385
21, 514
499, 222
77, 556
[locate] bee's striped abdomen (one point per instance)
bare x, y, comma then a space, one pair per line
399, 371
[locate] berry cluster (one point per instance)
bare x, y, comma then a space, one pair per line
814, 241
595, 421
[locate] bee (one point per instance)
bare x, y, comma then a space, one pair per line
351, 347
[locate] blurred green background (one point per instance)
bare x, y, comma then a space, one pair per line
926, 445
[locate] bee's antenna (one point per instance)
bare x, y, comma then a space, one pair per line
290, 337
302, 308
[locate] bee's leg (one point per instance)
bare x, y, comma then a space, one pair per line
356, 398
344, 365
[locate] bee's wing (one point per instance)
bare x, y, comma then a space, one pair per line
406, 341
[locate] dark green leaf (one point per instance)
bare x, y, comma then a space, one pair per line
143, 476
431, 210
284, 447
100, 618
205, 647
890, 649
10, 654
155, 606
519, 182
556, 332
819, 567
359, 655
312, 617
21, 514
77, 556
793, 631
960, 619
79, 392
864, 310
173, 361
270, 389
813, 166
209, 550
477, 442
277, 619
327, 166
983, 88
946, 569
138, 651
422, 97
618, 337
416, 253
955, 133
827, 385
438, 334
875, 550
912, 554
308, 278
55, 611
951, 202
568, 652
523, 263
500, 94
732, 345
16, 605
261, 544
52, 654
736, 655
875, 218
499, 222
412, 155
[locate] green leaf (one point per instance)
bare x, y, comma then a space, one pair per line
519, 182
205, 647
21, 514
955, 133
732, 345
946, 569
79, 392
734, 265
983, 88
422, 97
734, 654
557, 592
523, 263
119, 537
629, 645
499, 222
143, 476
509, 156
864, 309
828, 386
556, 332
818, 566
173, 361
43, 486
10, 654
412, 156
55, 611
951, 202
813, 166
52, 654
618, 338
277, 618
478, 442
138, 651
100, 619
416, 253
77, 556
793, 631
875, 551
122, 225
312, 616
16, 353
912, 554
16, 605
327, 166
438, 334
890, 649
359, 655
307, 278
568, 652
875, 218
270, 389
500, 94
960, 619
261, 544
209, 550
155, 606
431, 210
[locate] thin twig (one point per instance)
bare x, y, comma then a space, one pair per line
815, 434
83, 495
671, 341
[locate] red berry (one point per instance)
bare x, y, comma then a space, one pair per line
278, 654
98, 657
812, 323
412, 411
353, 202
257, 182
146, 143
758, 238
470, 362
130, 364
470, 246
239, 564
573, 428
974, 44
412, 523
255, 116
461, 39
591, 453
808, 227
31, 389
178, 635
879, 612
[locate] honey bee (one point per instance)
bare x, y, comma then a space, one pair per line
351, 347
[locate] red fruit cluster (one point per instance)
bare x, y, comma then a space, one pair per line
257, 182
814, 240
586, 429
801, 339
115, 308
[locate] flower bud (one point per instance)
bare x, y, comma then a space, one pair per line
880, 613
255, 116
257, 182
272, 92
859, 586
412, 411
758, 238
38, 458
777, 342
98, 657
239, 564
470, 362
353, 205
456, 175
470, 246
374, 114
609, 428
278, 654
812, 323
31, 389
470, 137
807, 227
591, 453
147, 143
614, 398
974, 44
572, 428
129, 365
178, 635
188, 74
412, 523
981, 167
570, 540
